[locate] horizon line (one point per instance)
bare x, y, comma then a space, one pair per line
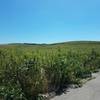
49, 43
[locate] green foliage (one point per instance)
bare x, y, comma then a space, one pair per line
27, 71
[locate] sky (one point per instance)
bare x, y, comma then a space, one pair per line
49, 21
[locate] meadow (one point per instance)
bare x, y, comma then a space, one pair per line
28, 70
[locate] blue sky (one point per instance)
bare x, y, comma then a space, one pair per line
49, 21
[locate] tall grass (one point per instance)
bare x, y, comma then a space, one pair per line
28, 71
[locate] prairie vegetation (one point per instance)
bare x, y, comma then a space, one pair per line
28, 70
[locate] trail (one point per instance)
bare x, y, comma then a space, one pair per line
89, 91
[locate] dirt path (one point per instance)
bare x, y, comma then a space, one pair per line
89, 91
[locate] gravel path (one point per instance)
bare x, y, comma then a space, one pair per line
89, 91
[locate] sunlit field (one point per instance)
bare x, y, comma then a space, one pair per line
27, 71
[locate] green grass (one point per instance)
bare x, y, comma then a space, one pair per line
27, 70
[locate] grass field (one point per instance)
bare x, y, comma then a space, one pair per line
28, 70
